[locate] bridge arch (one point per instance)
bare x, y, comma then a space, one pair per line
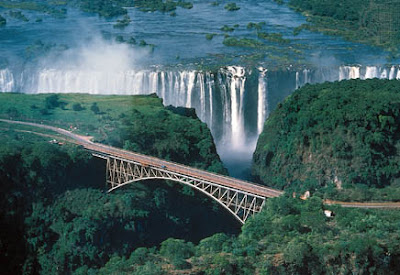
240, 204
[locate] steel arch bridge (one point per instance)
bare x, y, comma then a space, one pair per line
241, 204
241, 198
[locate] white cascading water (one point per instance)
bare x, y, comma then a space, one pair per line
303, 77
262, 99
371, 72
383, 74
6, 81
210, 84
237, 80
306, 73
192, 77
349, 72
202, 113
225, 103
392, 72
95, 82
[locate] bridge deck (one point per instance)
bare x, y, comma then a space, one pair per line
186, 170
105, 150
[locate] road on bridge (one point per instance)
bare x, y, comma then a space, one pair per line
85, 141
245, 186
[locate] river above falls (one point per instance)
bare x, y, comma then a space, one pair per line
181, 39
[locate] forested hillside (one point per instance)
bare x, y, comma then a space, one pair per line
337, 138
55, 213
289, 237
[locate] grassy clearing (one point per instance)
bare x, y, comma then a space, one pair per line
137, 123
86, 121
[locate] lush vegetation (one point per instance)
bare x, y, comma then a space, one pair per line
334, 136
123, 121
373, 22
122, 23
3, 21
57, 219
257, 26
261, 45
226, 28
162, 6
242, 42
231, 7
55, 214
210, 36
289, 237
105, 8
54, 8
273, 37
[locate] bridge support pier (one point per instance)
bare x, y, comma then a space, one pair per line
240, 204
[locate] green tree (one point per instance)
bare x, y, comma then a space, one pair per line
77, 107
3, 21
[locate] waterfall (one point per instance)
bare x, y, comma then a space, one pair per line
210, 84
163, 88
384, 73
202, 97
349, 72
225, 104
154, 82
392, 72
306, 73
354, 73
371, 72
192, 76
368, 72
236, 85
6, 81
262, 99
96, 82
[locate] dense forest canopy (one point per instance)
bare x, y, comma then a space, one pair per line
290, 236
333, 135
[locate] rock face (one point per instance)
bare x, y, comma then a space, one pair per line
337, 134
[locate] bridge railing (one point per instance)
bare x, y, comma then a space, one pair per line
181, 168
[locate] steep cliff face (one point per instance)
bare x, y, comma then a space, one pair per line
333, 134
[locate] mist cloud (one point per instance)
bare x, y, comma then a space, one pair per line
96, 54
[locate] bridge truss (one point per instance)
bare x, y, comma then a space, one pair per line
242, 205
